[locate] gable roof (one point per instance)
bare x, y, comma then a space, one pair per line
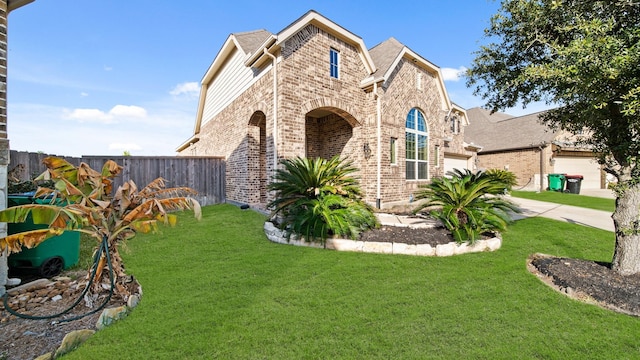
500, 131
384, 55
249, 42
255, 45
388, 54
312, 17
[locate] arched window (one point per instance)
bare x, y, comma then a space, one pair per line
417, 146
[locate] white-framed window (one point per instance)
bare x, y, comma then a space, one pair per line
417, 146
334, 63
393, 158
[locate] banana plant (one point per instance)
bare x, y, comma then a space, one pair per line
82, 200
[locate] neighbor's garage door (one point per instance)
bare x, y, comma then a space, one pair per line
453, 162
584, 166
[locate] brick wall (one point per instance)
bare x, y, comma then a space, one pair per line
524, 163
322, 116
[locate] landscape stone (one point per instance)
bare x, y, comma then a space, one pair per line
110, 315
345, 245
72, 340
445, 249
133, 301
404, 249
378, 247
425, 250
278, 236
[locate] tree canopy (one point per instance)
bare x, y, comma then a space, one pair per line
584, 58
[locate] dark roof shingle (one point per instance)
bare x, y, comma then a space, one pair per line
500, 131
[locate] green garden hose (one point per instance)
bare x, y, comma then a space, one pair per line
104, 248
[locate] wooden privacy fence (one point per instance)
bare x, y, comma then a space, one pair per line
206, 175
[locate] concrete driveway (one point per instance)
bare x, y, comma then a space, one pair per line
573, 214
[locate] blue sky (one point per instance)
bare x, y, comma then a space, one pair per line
104, 77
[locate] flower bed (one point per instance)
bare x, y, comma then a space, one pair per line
280, 236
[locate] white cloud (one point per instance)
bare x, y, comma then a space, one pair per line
451, 74
187, 88
84, 94
107, 68
128, 111
116, 114
89, 115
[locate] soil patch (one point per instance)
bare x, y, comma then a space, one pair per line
27, 339
589, 281
432, 236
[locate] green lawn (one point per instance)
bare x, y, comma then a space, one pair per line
568, 199
218, 289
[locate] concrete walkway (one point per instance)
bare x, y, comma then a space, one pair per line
530, 208
573, 214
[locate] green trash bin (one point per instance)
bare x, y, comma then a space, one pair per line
556, 182
52, 255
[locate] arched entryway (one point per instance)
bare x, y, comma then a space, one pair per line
257, 158
329, 132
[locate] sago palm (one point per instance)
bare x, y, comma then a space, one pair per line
318, 198
467, 204
82, 200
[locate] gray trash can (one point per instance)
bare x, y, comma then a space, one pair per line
573, 183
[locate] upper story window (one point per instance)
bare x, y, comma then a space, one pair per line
417, 146
455, 124
334, 63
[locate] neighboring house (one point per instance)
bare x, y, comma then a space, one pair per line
528, 148
386, 109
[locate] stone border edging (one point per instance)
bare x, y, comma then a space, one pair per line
279, 236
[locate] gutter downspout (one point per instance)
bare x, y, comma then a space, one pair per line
542, 147
379, 145
275, 107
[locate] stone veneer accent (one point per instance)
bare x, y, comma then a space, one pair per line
280, 236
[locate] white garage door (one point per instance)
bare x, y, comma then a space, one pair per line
584, 166
452, 162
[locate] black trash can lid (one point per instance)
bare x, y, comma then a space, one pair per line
575, 177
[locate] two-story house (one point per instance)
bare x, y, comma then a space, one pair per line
315, 90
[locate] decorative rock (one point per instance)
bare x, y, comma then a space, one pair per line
279, 236
462, 249
425, 250
404, 249
345, 245
72, 340
494, 243
13, 282
446, 249
110, 315
133, 301
56, 298
378, 247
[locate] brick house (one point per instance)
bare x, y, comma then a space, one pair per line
530, 149
315, 90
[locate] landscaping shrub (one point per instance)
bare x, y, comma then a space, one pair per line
318, 198
467, 203
506, 177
